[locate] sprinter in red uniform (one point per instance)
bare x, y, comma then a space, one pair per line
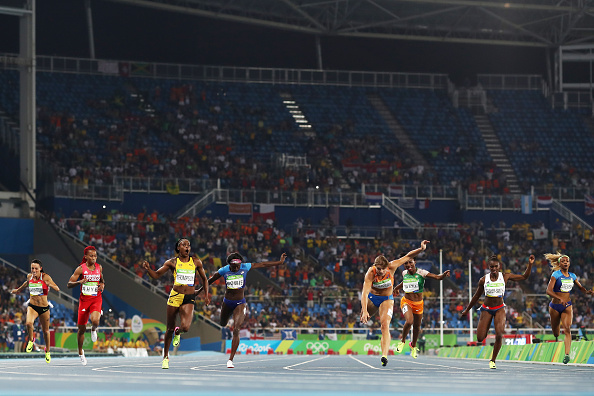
89, 275
39, 283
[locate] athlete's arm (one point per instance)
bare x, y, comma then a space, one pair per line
160, 272
74, 281
101, 279
582, 288
211, 280
270, 263
397, 289
525, 275
438, 277
564, 297
365, 295
202, 274
480, 289
412, 254
50, 282
21, 287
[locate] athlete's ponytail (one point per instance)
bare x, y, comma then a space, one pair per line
554, 259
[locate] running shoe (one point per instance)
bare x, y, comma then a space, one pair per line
165, 363
400, 347
492, 364
83, 359
48, 358
414, 351
566, 359
93, 335
176, 337
30, 345
230, 364
384, 361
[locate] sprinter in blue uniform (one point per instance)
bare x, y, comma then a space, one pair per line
560, 308
235, 273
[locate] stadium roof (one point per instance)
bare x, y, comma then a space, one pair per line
534, 23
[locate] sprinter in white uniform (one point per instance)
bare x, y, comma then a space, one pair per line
493, 286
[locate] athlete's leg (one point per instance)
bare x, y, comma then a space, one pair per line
566, 320
80, 337
499, 324
555, 321
95, 318
186, 314
386, 310
416, 328
171, 313
238, 318
31, 316
409, 320
483, 326
226, 313
44, 321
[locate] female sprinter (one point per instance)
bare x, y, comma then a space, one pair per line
377, 288
560, 308
89, 275
411, 304
493, 285
234, 302
39, 283
181, 298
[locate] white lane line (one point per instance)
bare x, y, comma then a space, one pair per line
307, 361
365, 364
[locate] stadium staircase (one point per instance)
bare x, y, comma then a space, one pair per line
497, 152
401, 134
566, 213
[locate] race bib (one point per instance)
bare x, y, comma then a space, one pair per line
384, 284
410, 285
566, 285
90, 288
234, 281
495, 290
185, 277
35, 289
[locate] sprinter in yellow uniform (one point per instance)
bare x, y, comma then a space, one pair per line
181, 299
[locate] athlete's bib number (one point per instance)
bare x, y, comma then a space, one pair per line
185, 278
496, 291
35, 290
410, 286
384, 284
235, 282
566, 285
90, 289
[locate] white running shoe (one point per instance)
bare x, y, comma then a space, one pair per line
83, 359
230, 364
93, 335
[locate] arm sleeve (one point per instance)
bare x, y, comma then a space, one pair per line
246, 266
422, 272
223, 270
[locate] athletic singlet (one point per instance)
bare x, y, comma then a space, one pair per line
414, 283
563, 283
184, 273
91, 286
235, 280
384, 282
38, 287
494, 288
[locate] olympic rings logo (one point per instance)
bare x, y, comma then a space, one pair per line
317, 346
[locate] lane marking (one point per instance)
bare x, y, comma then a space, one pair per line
308, 361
